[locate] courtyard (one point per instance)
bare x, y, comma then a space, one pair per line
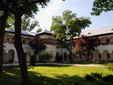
54, 75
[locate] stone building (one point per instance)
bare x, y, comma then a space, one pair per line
9, 49
103, 52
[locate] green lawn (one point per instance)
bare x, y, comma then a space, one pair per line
54, 75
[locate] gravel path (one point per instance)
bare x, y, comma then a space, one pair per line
94, 65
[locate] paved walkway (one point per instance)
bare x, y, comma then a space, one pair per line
94, 65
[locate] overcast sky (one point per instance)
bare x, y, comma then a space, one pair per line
80, 7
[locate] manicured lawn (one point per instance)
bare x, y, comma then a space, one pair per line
54, 75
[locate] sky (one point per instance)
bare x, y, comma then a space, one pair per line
80, 7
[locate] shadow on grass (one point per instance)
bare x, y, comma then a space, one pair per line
13, 77
39, 79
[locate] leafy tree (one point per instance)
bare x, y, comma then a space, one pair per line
39, 30
27, 24
85, 46
102, 5
37, 45
21, 7
68, 26
5, 11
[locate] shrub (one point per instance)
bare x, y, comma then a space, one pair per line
45, 56
108, 78
89, 77
32, 58
93, 76
97, 75
110, 66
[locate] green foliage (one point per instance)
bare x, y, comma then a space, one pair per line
99, 76
89, 77
39, 30
68, 26
102, 5
32, 58
45, 56
110, 66
27, 24
108, 78
37, 45
54, 75
85, 46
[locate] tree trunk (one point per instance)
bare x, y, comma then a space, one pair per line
71, 56
19, 48
2, 32
81, 57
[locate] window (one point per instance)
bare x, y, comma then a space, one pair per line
107, 41
108, 55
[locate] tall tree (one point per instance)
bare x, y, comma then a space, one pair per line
100, 6
4, 13
68, 26
85, 46
21, 7
27, 24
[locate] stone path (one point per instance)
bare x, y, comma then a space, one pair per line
94, 65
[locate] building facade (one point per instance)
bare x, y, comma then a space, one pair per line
103, 52
10, 53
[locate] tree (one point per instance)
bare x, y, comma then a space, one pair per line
102, 5
39, 30
5, 11
27, 24
21, 7
68, 26
37, 45
85, 46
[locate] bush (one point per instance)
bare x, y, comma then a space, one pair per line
45, 56
32, 58
108, 78
89, 77
94, 76
99, 76
110, 66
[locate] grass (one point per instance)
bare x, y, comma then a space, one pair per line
54, 75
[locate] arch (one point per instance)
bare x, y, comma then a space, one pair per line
111, 56
26, 56
10, 57
97, 56
57, 54
65, 56
105, 55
